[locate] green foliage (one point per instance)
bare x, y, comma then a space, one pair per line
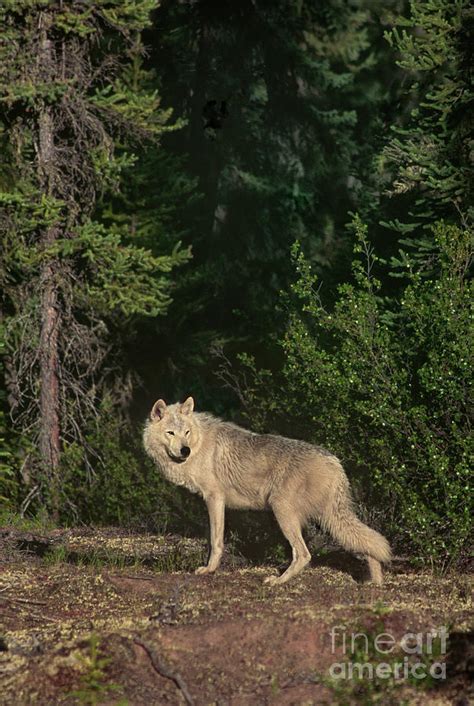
116, 277
385, 385
94, 687
154, 187
431, 150
127, 108
9, 486
8, 483
102, 199
381, 375
37, 523
302, 90
77, 111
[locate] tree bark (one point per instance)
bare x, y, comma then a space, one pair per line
49, 402
49, 437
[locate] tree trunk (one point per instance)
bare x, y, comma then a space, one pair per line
49, 434
49, 438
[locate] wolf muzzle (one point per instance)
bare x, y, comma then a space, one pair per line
184, 454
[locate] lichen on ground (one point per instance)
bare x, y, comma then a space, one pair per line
76, 603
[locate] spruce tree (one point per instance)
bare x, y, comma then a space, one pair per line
70, 122
281, 100
427, 163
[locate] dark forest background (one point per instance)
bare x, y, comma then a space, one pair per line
266, 205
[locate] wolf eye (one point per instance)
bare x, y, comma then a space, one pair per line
187, 432
170, 432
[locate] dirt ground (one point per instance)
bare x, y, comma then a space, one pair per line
104, 617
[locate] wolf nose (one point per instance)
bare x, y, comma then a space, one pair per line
185, 451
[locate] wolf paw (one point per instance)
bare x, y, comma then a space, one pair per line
203, 570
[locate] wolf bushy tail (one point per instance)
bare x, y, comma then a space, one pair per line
342, 523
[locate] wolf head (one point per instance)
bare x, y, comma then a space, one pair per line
175, 429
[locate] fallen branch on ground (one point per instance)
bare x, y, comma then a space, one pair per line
163, 670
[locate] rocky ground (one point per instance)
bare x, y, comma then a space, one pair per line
108, 617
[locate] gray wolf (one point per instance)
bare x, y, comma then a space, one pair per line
232, 467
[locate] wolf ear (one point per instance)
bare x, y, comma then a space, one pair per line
187, 406
158, 410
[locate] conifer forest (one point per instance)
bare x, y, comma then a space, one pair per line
266, 205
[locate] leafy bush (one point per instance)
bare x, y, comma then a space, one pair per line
385, 384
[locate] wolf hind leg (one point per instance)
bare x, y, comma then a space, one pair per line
291, 528
375, 569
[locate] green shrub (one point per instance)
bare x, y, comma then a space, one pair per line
385, 384
8, 484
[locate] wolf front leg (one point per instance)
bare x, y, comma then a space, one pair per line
216, 509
